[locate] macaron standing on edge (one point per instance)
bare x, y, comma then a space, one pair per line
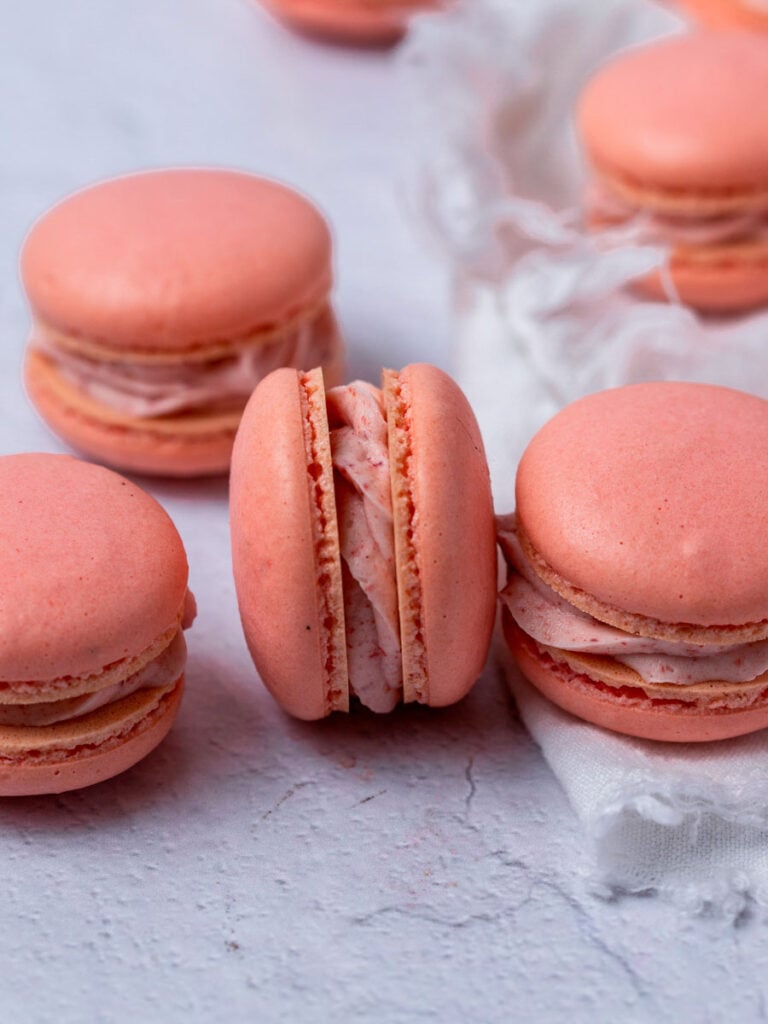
92, 606
160, 299
675, 135
363, 540
354, 22
637, 596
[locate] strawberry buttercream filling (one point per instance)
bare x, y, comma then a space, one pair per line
162, 672
551, 621
648, 227
366, 534
146, 390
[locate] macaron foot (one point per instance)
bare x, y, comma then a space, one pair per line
629, 711
85, 751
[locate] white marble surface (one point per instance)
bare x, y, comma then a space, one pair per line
419, 867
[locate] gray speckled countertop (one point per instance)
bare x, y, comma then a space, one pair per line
419, 867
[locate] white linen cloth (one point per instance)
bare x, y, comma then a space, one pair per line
689, 822
542, 319
541, 316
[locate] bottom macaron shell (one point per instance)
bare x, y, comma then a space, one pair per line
712, 287
94, 748
339, 23
135, 446
647, 719
444, 534
182, 446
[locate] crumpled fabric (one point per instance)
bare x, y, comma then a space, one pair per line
688, 822
543, 318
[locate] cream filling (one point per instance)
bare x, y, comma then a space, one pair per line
366, 530
162, 672
646, 227
147, 390
550, 620
189, 611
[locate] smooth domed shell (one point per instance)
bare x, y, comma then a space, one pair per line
686, 113
92, 569
652, 498
166, 260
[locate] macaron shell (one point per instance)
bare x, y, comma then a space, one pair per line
174, 259
445, 542
291, 606
26, 692
185, 445
727, 13
355, 23
180, 446
734, 285
651, 498
646, 720
90, 749
616, 675
93, 569
683, 114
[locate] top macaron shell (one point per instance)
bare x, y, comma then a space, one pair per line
686, 113
652, 498
172, 259
92, 568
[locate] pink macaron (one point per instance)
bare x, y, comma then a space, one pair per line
159, 300
675, 135
356, 22
363, 540
637, 596
92, 606
750, 14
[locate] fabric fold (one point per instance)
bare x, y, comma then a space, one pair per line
687, 822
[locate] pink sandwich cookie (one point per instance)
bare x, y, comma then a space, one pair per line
637, 596
160, 300
93, 602
675, 134
363, 540
751, 14
356, 22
